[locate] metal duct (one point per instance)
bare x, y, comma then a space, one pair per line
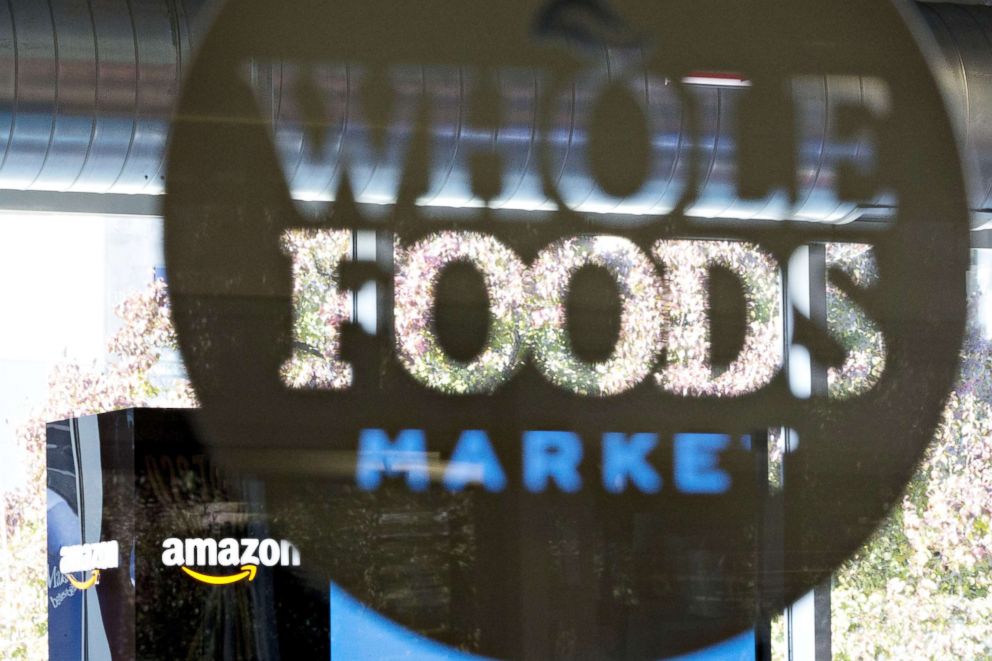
313, 165
86, 91
87, 87
964, 34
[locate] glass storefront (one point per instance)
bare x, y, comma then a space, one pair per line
434, 344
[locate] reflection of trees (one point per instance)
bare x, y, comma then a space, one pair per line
76, 390
319, 308
861, 339
921, 587
689, 369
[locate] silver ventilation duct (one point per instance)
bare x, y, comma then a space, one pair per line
87, 88
86, 91
964, 34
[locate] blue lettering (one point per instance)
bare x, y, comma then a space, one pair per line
625, 459
697, 463
377, 455
555, 455
474, 461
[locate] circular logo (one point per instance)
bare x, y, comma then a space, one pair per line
508, 303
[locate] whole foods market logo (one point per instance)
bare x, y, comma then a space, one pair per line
88, 560
470, 262
245, 555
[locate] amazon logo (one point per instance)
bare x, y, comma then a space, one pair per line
227, 560
88, 560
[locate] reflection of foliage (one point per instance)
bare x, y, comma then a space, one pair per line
418, 269
641, 316
921, 587
527, 309
75, 390
861, 338
23, 609
776, 456
319, 308
647, 323
689, 371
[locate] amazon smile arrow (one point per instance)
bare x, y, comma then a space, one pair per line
88, 583
247, 571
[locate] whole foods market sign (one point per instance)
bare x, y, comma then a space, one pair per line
505, 299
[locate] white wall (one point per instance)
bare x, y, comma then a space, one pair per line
60, 278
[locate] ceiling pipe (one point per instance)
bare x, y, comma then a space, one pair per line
87, 88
